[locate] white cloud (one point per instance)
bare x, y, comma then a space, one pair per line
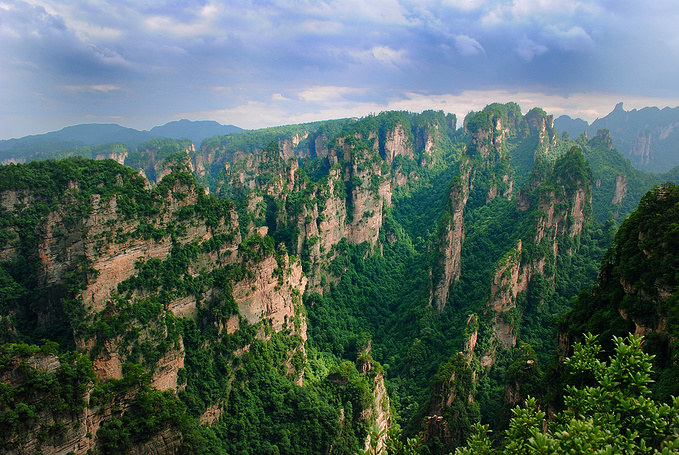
350, 57
539, 11
279, 97
326, 94
464, 5
383, 12
468, 46
386, 54
165, 25
98, 88
573, 38
527, 49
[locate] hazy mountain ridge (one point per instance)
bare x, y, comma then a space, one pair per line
83, 134
70, 138
196, 131
648, 137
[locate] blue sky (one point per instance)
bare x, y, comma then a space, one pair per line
141, 63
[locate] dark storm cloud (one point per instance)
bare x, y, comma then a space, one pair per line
255, 63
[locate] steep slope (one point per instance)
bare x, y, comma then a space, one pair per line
162, 322
359, 172
636, 287
537, 236
506, 253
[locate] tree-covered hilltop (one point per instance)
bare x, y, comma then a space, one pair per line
332, 287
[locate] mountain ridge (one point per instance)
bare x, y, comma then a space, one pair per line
93, 134
648, 137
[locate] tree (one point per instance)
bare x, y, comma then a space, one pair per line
617, 415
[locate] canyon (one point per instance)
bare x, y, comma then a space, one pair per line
363, 275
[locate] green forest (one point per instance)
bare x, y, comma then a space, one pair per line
394, 284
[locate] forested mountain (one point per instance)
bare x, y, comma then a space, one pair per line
95, 140
195, 131
71, 137
612, 392
648, 137
319, 288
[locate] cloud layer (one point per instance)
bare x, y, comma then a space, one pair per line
258, 63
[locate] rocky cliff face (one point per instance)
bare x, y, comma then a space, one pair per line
127, 277
562, 212
511, 277
205, 297
648, 140
159, 157
452, 388
646, 136
260, 296
364, 167
379, 413
485, 168
451, 240
554, 206
633, 290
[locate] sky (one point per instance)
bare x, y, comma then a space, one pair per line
253, 64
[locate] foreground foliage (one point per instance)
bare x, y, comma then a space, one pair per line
616, 415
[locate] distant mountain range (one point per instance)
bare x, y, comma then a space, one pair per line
197, 131
92, 134
648, 137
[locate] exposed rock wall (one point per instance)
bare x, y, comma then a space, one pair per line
620, 189
560, 216
289, 146
270, 292
510, 278
117, 157
349, 203
452, 239
397, 143
53, 431
379, 413
108, 250
368, 202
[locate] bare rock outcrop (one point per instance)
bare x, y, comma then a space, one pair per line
449, 264
620, 189
397, 143
272, 293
